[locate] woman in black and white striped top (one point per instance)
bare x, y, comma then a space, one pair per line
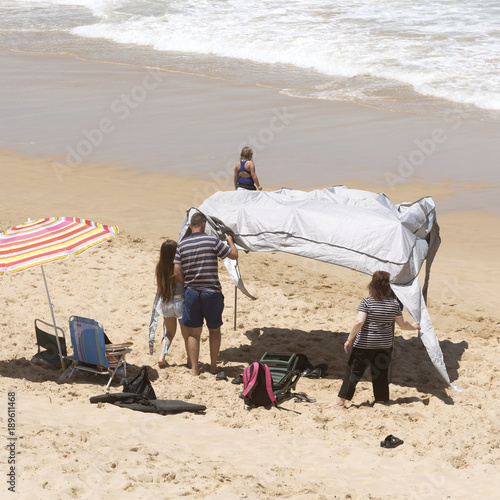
373, 336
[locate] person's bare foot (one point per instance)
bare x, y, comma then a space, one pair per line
339, 403
195, 370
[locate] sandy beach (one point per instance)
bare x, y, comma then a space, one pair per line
68, 447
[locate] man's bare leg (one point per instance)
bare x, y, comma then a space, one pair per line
214, 341
184, 336
192, 342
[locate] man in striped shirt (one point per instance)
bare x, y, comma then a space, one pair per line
195, 265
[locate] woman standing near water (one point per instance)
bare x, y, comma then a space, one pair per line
245, 176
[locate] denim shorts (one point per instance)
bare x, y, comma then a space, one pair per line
199, 305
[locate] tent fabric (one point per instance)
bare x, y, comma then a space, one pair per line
360, 230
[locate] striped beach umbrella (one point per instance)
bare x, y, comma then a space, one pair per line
46, 240
42, 241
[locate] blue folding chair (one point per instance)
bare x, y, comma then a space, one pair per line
92, 350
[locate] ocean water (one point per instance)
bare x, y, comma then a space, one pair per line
426, 57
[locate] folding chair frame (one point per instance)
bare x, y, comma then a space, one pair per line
284, 372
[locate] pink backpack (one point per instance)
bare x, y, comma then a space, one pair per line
258, 385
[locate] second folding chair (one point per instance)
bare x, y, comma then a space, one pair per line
284, 372
47, 343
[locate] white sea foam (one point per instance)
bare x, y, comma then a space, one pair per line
447, 49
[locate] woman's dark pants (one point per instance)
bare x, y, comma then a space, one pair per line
378, 360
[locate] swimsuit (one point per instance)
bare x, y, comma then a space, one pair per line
245, 182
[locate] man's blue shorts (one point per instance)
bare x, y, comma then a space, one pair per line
199, 305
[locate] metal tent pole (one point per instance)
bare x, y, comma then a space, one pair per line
235, 304
53, 321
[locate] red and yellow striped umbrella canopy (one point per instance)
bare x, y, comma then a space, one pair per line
46, 240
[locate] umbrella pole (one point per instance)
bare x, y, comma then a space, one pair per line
53, 321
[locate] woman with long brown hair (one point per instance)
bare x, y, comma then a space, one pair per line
171, 293
371, 339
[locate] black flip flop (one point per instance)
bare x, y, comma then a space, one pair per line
237, 380
221, 376
319, 371
391, 442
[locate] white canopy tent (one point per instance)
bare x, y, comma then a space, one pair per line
356, 229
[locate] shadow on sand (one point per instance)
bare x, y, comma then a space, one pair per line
40, 372
411, 365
